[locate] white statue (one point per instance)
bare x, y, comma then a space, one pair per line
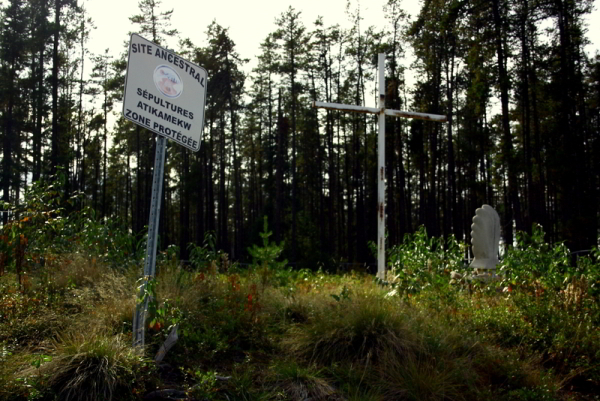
485, 237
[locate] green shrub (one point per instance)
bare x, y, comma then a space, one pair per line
206, 257
206, 384
421, 261
534, 260
588, 268
501, 323
568, 342
108, 240
224, 318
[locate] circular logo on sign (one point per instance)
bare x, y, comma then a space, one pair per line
167, 81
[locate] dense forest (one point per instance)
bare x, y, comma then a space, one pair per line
523, 134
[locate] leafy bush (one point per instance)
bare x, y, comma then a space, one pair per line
39, 217
421, 261
222, 316
106, 240
206, 385
533, 259
46, 226
499, 322
207, 257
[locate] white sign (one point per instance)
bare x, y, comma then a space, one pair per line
164, 93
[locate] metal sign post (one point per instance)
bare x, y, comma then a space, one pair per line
165, 94
382, 112
139, 317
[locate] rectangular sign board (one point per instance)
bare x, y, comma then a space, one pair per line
165, 93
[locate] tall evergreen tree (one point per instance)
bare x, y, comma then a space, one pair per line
291, 33
101, 76
13, 106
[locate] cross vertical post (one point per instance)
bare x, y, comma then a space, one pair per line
381, 170
382, 112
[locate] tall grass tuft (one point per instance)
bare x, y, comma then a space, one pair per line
402, 351
425, 375
350, 330
92, 367
105, 298
302, 383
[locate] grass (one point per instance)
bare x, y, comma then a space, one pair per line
351, 330
65, 334
91, 367
247, 335
298, 382
273, 334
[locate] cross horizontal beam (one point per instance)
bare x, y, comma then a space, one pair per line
375, 110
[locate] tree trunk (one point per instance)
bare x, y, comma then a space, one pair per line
513, 207
55, 156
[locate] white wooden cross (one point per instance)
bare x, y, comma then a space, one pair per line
382, 111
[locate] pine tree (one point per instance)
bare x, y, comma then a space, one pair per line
12, 107
291, 33
101, 76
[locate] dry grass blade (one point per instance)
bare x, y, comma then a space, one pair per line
92, 367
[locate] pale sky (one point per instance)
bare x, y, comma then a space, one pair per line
249, 22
